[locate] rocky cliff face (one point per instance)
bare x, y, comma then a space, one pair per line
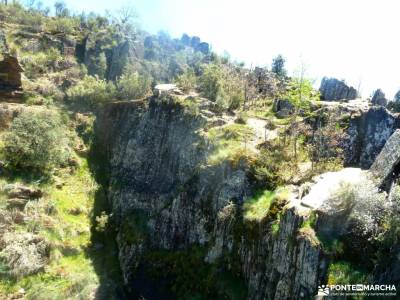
379, 98
167, 196
367, 133
333, 89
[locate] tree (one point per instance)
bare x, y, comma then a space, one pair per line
97, 65
223, 84
301, 94
36, 141
126, 15
278, 66
211, 81
131, 85
61, 9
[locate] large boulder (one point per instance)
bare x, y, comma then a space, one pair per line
349, 208
332, 89
166, 89
10, 73
8, 111
23, 254
22, 192
283, 108
366, 135
379, 98
352, 213
388, 159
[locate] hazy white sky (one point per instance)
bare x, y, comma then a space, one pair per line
356, 40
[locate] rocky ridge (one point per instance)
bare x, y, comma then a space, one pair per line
332, 89
159, 171
163, 188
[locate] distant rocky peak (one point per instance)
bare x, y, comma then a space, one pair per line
332, 89
379, 98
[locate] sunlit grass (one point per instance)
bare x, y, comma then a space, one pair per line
228, 140
343, 272
257, 207
70, 273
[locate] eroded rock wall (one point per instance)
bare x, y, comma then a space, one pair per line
366, 135
166, 195
332, 89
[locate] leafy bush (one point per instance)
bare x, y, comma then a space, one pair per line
97, 65
211, 81
186, 81
274, 166
91, 91
47, 88
23, 254
229, 143
391, 223
223, 85
133, 86
365, 205
242, 118
102, 221
257, 207
36, 141
16, 13
345, 273
42, 62
301, 94
61, 24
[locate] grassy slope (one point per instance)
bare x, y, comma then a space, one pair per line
70, 272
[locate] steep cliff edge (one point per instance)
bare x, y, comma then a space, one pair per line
367, 133
170, 200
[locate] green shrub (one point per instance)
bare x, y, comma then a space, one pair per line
236, 99
97, 65
23, 254
223, 85
242, 118
310, 221
36, 141
42, 62
345, 273
102, 221
229, 143
65, 25
211, 81
47, 88
15, 12
258, 206
274, 166
390, 224
133, 86
186, 81
192, 106
91, 91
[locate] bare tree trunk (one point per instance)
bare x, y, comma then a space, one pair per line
297, 108
246, 87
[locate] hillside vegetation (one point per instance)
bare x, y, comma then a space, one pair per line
57, 239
